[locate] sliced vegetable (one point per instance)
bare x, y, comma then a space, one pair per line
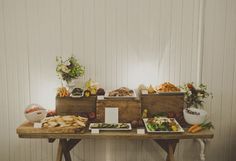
150, 127
197, 128
193, 127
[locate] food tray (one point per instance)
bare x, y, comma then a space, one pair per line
118, 97
145, 92
180, 130
111, 129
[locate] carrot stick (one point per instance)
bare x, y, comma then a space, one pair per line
199, 128
193, 127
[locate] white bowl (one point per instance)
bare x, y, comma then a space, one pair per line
195, 119
36, 115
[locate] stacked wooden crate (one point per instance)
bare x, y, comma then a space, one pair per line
75, 106
129, 109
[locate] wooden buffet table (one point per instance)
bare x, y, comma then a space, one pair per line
67, 141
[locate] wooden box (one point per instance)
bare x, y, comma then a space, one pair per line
169, 105
129, 109
162, 103
74, 106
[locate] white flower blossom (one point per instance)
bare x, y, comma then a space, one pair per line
64, 68
199, 95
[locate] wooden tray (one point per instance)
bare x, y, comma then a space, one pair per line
119, 97
27, 127
112, 129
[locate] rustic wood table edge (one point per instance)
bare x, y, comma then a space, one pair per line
67, 141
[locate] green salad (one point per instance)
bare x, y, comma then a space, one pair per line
162, 124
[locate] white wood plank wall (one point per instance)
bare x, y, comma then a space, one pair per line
121, 43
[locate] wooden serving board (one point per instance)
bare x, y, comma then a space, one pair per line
27, 128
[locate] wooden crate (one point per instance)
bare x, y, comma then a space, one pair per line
162, 103
74, 106
129, 109
172, 105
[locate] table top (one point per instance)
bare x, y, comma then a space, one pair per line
26, 130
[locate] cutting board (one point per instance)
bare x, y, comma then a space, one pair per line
27, 128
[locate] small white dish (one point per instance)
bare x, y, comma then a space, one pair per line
35, 113
71, 95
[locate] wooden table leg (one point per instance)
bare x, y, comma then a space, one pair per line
170, 153
59, 151
64, 148
202, 152
169, 146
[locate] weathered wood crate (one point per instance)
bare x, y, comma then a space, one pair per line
172, 105
129, 109
74, 106
162, 103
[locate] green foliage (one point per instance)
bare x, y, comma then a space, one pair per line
195, 96
69, 69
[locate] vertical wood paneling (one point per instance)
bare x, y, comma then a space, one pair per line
22, 69
187, 30
232, 139
100, 41
155, 17
34, 67
89, 39
121, 43
177, 20
4, 124
195, 29
219, 69
122, 33
132, 42
228, 70
111, 57
66, 16
218, 59
12, 75
165, 39
78, 30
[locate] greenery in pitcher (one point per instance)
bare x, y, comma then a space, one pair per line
195, 96
69, 69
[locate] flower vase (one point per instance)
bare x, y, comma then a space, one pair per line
71, 85
194, 116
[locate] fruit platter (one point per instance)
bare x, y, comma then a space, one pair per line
162, 125
110, 126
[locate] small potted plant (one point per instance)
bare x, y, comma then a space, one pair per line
194, 100
69, 70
